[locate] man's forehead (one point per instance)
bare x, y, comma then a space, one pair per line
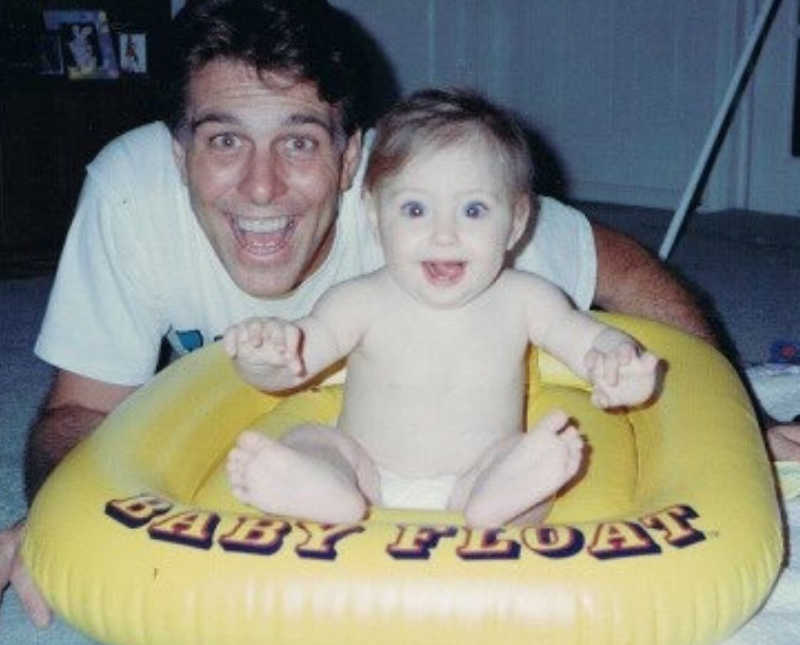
224, 91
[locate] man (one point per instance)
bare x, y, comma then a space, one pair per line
248, 205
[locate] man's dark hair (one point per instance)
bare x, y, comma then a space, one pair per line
309, 39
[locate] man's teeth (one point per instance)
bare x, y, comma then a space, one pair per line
262, 225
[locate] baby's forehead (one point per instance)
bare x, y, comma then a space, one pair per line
469, 138
467, 159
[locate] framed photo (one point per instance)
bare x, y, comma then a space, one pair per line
51, 61
133, 53
86, 44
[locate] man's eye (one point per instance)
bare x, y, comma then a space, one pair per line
413, 209
300, 145
475, 209
224, 141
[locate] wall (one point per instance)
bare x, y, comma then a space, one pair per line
624, 91
773, 175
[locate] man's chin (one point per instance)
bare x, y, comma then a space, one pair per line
260, 284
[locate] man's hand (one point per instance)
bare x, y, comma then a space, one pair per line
13, 572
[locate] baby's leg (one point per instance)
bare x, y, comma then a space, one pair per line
313, 472
518, 474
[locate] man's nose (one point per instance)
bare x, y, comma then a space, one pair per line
263, 179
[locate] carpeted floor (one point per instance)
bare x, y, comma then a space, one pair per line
746, 267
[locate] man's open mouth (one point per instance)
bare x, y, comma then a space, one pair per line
263, 235
444, 272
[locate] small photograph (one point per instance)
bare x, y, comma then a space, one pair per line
51, 61
81, 49
133, 53
86, 45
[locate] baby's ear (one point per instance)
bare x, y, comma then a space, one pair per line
519, 219
371, 209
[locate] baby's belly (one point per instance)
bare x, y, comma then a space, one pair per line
423, 431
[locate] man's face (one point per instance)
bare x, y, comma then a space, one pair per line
264, 160
446, 220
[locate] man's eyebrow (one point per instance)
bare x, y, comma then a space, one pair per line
212, 117
303, 118
299, 118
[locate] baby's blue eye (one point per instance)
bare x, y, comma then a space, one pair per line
413, 209
475, 209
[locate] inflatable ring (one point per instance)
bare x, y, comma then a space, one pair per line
671, 535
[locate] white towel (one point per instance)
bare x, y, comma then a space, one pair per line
777, 387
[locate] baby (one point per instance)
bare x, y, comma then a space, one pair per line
435, 341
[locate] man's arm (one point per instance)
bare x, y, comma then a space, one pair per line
630, 280
75, 406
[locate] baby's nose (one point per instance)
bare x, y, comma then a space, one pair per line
444, 230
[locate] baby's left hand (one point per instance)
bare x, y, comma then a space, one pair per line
622, 375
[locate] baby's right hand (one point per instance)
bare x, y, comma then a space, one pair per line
262, 348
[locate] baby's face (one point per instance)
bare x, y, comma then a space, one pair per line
445, 222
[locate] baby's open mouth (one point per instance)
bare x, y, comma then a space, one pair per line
444, 272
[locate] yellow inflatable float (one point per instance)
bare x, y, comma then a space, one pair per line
671, 535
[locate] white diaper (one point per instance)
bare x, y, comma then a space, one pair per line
432, 493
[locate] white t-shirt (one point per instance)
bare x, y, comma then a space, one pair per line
137, 267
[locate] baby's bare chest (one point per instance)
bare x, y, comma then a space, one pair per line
487, 347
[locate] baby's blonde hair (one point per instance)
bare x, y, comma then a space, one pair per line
435, 118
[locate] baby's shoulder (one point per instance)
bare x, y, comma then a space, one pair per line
361, 289
534, 293
517, 281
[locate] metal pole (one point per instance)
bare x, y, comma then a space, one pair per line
759, 30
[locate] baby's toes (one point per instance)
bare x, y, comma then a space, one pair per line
574, 452
251, 442
552, 422
241, 492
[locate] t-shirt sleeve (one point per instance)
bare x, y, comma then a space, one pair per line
561, 249
100, 320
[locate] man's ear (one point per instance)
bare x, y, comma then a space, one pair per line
179, 153
350, 160
519, 219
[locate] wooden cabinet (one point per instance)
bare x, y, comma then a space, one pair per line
49, 130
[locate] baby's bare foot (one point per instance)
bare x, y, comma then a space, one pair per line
531, 470
278, 479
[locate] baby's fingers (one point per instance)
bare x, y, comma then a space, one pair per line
645, 363
293, 338
650, 362
606, 370
235, 339
255, 332
625, 353
600, 398
229, 342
